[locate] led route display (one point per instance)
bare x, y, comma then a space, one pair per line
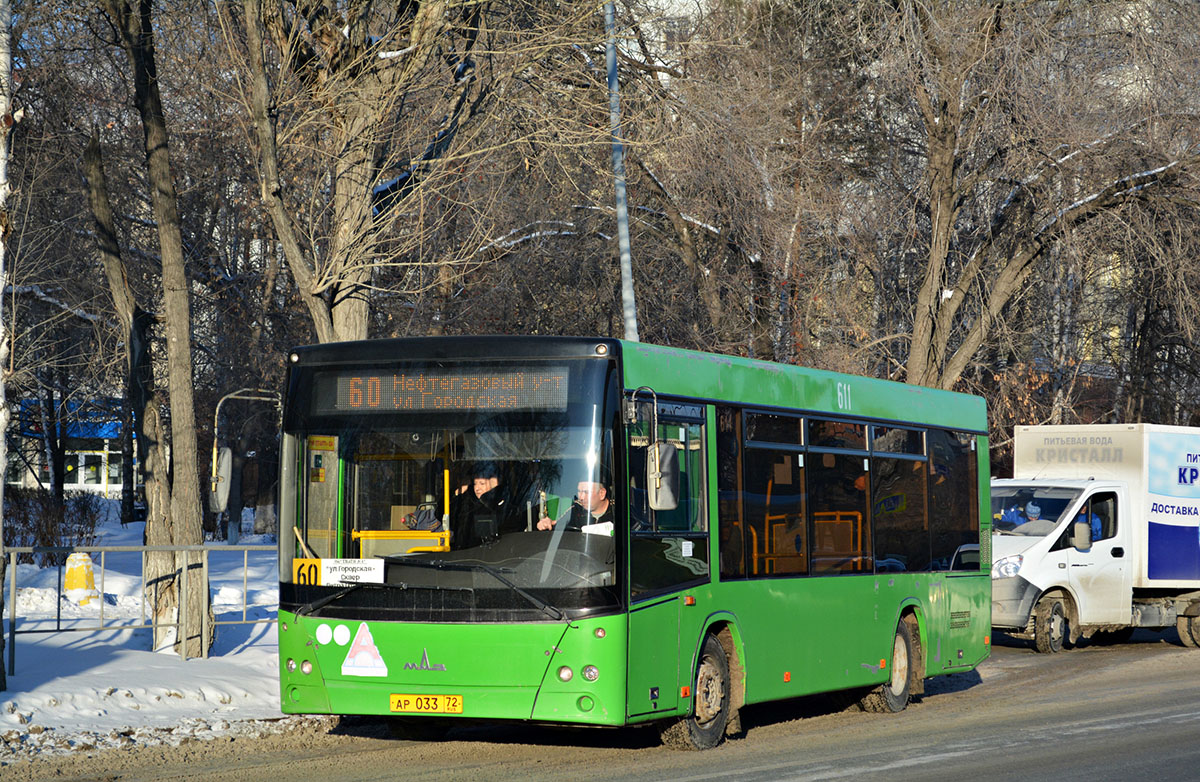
441, 390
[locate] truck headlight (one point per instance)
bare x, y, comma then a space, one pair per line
1007, 567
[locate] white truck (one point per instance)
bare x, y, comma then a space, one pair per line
1098, 533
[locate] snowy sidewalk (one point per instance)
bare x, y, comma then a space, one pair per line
84, 690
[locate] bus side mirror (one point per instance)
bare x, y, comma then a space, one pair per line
218, 493
662, 476
1081, 535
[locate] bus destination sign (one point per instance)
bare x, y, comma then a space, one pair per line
445, 390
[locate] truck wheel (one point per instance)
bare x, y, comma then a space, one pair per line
1189, 630
706, 727
892, 696
1050, 628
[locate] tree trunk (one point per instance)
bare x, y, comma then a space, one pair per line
159, 566
52, 438
162, 593
123, 303
186, 522
5, 188
272, 188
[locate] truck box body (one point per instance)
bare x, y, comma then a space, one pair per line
1161, 467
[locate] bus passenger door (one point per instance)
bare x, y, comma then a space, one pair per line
653, 656
668, 554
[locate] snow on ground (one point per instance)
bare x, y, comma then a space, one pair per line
86, 690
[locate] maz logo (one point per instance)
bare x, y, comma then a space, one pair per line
424, 664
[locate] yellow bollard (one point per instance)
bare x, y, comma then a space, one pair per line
79, 583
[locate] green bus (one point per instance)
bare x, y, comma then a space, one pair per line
579, 531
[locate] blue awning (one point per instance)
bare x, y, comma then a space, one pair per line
94, 418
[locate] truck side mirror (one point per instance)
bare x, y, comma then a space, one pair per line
1081, 535
662, 476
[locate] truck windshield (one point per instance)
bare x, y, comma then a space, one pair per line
1032, 511
479, 492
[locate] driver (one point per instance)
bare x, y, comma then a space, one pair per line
591, 506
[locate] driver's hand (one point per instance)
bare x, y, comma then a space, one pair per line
545, 523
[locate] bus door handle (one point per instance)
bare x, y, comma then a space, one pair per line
1118, 552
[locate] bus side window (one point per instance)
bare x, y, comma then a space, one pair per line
731, 519
841, 530
668, 548
953, 510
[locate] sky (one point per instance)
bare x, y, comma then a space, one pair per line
83, 690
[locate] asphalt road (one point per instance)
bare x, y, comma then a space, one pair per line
1128, 712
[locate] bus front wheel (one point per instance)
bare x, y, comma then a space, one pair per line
893, 695
705, 728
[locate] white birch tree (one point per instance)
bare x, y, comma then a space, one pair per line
8, 118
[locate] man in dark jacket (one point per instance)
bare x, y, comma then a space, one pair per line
479, 510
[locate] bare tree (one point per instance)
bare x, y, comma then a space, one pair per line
135, 323
1014, 150
133, 27
376, 127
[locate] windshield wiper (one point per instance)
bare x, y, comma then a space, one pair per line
313, 605
441, 564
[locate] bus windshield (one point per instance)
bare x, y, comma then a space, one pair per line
468, 492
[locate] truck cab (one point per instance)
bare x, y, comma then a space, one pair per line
1061, 554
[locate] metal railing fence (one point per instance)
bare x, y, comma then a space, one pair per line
121, 623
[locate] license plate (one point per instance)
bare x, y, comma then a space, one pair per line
427, 704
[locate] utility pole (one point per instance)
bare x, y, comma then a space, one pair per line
628, 303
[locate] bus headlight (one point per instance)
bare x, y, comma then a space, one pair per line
1007, 567
291, 665
565, 673
591, 673
306, 667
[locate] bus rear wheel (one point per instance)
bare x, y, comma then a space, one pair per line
705, 728
893, 695
1050, 625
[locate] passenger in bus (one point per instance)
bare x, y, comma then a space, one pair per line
478, 510
591, 506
